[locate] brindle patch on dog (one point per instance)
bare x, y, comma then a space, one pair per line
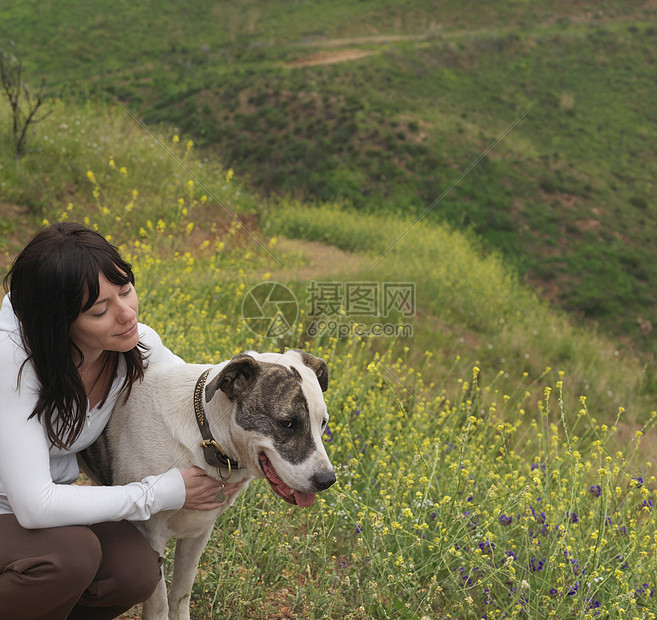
278, 408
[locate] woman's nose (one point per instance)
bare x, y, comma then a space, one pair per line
126, 313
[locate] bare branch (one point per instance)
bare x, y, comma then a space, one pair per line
24, 106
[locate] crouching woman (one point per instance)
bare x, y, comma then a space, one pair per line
70, 347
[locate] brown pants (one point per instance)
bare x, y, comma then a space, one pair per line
77, 572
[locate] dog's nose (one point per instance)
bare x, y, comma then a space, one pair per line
323, 479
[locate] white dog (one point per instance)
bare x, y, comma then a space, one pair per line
254, 416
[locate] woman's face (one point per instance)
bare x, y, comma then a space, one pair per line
110, 324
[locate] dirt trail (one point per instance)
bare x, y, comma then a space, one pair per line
329, 58
372, 40
378, 42
320, 261
348, 52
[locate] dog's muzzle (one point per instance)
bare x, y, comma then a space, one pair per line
321, 481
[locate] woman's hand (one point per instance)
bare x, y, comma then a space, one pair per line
201, 490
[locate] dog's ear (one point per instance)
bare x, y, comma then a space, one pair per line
235, 379
319, 367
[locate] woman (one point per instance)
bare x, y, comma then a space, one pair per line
70, 346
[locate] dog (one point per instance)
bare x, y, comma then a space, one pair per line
258, 415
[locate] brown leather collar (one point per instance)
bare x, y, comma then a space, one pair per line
212, 451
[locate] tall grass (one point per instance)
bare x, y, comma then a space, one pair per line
464, 491
102, 157
457, 500
480, 308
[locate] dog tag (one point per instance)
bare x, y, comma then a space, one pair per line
221, 497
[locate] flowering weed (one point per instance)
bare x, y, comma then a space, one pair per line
464, 491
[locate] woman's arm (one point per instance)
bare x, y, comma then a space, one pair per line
39, 502
25, 466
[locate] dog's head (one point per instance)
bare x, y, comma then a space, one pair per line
278, 415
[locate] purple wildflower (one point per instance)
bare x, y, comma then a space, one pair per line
505, 519
595, 490
465, 577
573, 589
486, 546
538, 516
644, 589
593, 604
576, 568
535, 565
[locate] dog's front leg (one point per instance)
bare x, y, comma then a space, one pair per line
188, 554
156, 607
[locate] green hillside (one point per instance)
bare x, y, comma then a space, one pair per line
496, 463
95, 161
390, 108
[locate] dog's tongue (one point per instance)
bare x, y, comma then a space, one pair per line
289, 495
304, 499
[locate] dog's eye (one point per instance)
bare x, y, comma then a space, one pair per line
288, 424
324, 424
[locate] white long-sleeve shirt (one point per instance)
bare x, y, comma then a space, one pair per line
35, 477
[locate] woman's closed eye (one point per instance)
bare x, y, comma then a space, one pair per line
124, 292
100, 314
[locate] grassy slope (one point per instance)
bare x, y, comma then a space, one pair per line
566, 194
470, 306
460, 492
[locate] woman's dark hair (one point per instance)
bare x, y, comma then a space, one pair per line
48, 283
